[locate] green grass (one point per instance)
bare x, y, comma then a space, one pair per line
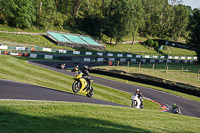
41, 41
14, 29
174, 74
28, 40
16, 69
137, 48
51, 117
191, 97
178, 51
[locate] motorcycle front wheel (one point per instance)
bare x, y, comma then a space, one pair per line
76, 86
133, 104
90, 93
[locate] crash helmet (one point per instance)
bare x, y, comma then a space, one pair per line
85, 68
76, 66
174, 104
138, 90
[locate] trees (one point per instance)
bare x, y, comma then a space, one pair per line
194, 28
24, 13
180, 21
156, 17
113, 18
93, 21
18, 13
47, 15
6, 13
119, 18
138, 19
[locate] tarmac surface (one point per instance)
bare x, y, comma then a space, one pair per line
16, 90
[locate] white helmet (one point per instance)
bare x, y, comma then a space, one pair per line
138, 90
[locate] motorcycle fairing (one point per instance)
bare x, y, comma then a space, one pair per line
83, 85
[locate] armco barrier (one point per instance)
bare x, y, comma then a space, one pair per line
146, 79
97, 58
111, 55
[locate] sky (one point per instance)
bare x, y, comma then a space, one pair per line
192, 3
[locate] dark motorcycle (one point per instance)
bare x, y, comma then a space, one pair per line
176, 110
61, 66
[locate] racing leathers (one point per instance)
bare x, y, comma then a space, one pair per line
140, 96
86, 76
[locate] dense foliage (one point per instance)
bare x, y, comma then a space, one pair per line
113, 18
194, 28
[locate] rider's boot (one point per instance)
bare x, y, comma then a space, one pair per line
89, 85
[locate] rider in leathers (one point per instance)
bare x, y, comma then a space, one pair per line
86, 75
139, 96
175, 106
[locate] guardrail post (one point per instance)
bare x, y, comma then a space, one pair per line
139, 64
182, 70
166, 70
128, 64
153, 66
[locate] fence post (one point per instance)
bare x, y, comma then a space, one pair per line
182, 71
166, 70
153, 66
139, 65
117, 63
128, 64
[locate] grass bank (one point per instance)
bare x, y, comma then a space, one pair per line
39, 40
175, 73
16, 69
47, 117
183, 73
28, 40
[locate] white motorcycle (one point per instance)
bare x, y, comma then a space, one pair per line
136, 102
176, 111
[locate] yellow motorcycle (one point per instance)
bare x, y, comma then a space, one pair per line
81, 85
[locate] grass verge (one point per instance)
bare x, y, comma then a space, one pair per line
182, 73
47, 117
17, 69
42, 41
191, 97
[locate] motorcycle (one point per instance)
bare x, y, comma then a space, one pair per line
75, 69
81, 85
136, 102
61, 66
176, 110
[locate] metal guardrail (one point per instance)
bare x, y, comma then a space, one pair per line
96, 54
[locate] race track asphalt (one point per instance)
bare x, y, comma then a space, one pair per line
21, 91
15, 90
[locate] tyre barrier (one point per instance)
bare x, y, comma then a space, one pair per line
14, 53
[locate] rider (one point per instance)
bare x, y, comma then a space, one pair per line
86, 75
63, 65
75, 68
139, 95
174, 106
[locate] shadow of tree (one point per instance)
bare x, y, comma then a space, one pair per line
12, 121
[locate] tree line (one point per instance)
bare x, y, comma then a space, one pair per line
167, 19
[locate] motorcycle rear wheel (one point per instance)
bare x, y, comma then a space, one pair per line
90, 93
76, 86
